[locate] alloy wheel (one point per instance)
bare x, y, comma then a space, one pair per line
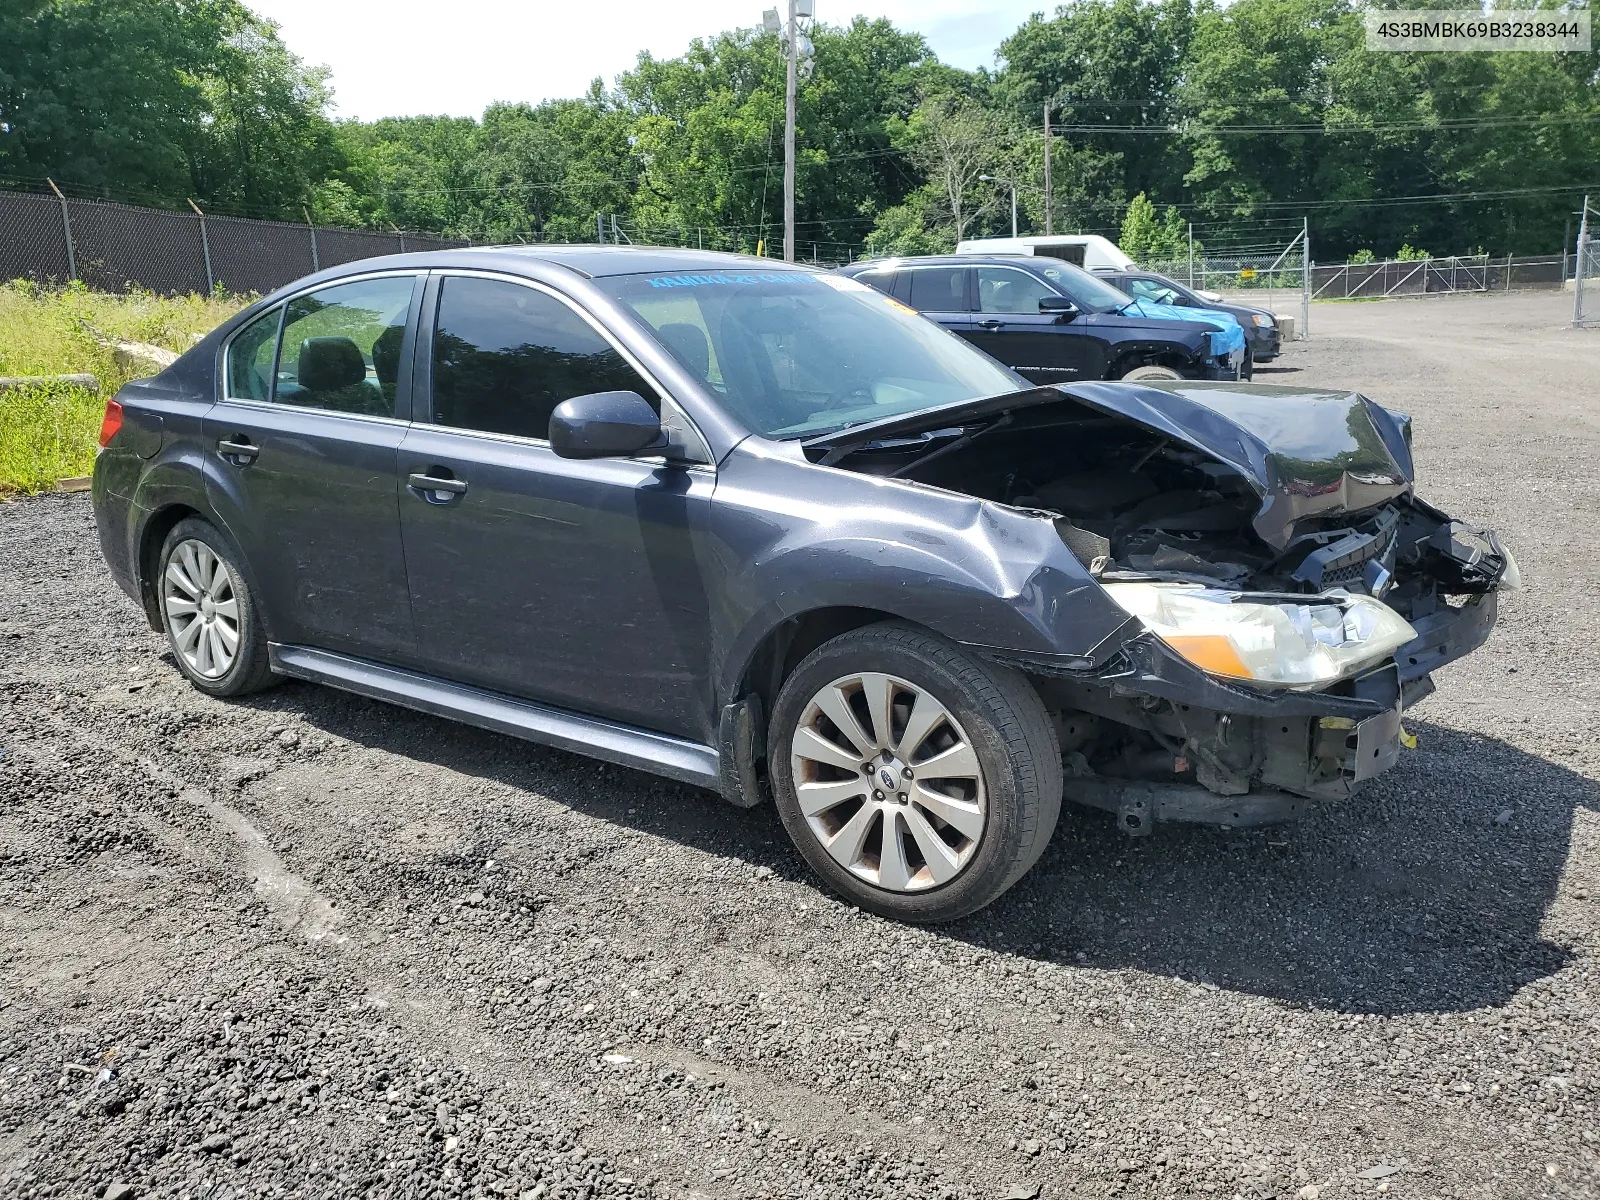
888, 782
202, 608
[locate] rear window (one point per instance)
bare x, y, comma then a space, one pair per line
250, 357
939, 289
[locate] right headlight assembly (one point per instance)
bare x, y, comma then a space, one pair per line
1277, 642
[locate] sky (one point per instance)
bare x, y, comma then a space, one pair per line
406, 57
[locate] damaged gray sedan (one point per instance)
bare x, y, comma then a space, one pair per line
761, 529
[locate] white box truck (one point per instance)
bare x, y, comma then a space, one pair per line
1087, 250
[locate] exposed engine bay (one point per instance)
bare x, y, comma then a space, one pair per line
1306, 518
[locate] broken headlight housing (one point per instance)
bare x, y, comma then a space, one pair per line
1276, 641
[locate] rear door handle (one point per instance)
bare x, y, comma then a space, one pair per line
238, 450
990, 324
437, 490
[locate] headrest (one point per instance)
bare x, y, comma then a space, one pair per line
386, 354
330, 363
689, 343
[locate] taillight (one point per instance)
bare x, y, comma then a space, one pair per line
110, 423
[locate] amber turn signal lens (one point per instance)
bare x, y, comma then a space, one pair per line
1210, 652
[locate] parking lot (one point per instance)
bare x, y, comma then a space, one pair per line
313, 944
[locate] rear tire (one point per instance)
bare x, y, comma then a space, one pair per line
1151, 372
208, 613
979, 759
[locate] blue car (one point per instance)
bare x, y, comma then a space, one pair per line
1052, 322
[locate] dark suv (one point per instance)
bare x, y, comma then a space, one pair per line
1053, 322
1260, 325
759, 529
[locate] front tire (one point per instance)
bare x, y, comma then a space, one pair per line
209, 615
1151, 372
918, 782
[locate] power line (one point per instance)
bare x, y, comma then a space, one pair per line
1464, 125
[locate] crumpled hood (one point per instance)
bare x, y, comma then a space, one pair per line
1308, 453
1228, 338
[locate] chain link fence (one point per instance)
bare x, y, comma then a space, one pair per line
1586, 271
1274, 281
113, 247
1586, 286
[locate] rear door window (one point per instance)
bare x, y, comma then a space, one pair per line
504, 355
939, 289
250, 357
341, 346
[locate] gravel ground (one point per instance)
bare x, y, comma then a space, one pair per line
309, 944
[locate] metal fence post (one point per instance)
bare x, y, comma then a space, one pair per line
316, 265
1304, 331
1582, 265
205, 245
66, 229
1508, 272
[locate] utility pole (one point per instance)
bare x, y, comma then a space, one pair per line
796, 47
789, 90
1049, 195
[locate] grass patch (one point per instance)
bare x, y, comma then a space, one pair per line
47, 432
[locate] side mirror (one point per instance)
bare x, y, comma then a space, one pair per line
605, 425
1059, 305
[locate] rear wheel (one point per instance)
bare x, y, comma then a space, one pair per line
1152, 372
210, 617
916, 781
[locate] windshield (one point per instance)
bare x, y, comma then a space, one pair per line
797, 355
1088, 292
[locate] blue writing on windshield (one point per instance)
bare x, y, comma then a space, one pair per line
742, 279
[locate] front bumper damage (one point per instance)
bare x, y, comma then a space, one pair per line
1215, 752
1224, 367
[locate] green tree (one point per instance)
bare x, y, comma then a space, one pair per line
1147, 240
161, 102
953, 140
1101, 63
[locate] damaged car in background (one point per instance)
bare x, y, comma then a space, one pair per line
760, 529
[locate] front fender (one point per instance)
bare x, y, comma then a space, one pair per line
984, 574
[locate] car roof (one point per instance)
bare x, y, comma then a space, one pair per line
589, 261
952, 260
596, 261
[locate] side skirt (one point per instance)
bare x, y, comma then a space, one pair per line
658, 753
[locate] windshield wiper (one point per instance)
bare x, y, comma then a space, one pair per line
966, 439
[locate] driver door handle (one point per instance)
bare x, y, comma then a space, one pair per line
437, 490
989, 323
